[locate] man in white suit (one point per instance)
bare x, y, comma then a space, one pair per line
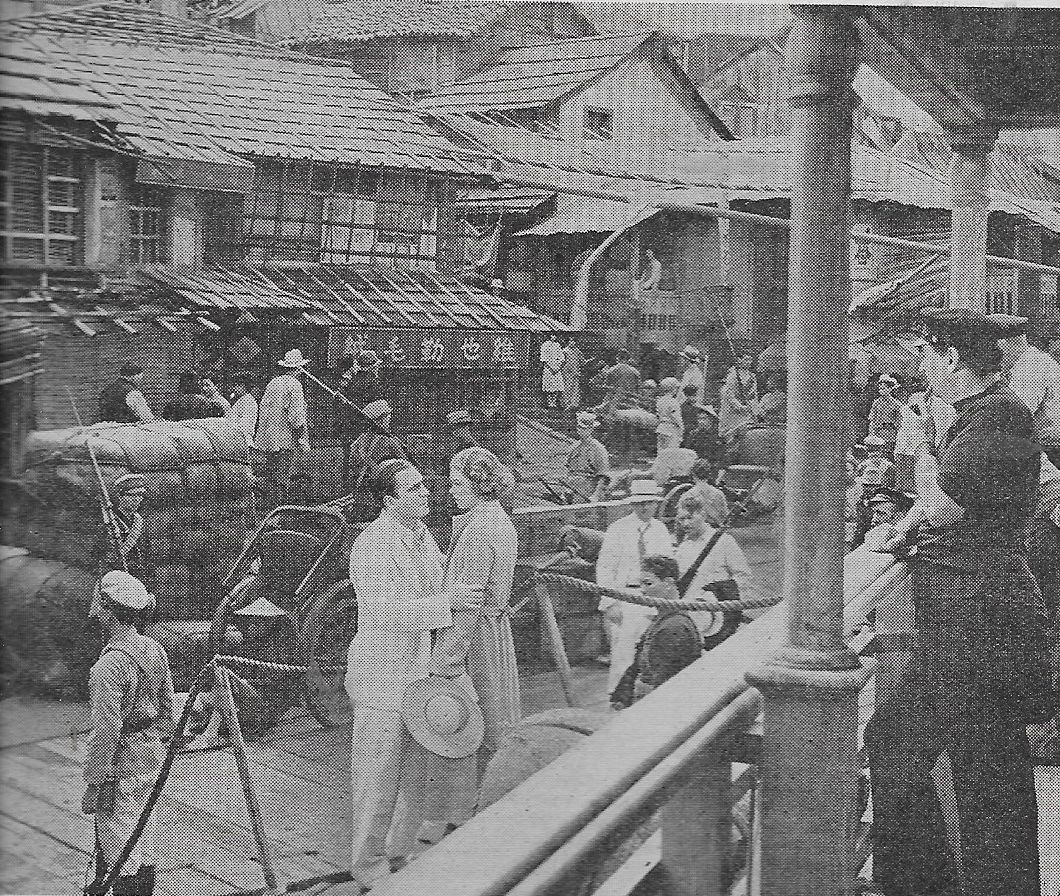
396, 570
627, 541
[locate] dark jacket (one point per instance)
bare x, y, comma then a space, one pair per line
112, 406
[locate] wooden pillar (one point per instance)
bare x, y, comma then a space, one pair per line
810, 762
969, 189
1029, 283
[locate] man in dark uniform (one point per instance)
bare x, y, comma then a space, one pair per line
368, 451
979, 672
122, 401
131, 553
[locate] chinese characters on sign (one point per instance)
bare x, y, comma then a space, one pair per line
435, 348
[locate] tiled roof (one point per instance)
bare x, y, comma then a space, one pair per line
531, 77
686, 20
174, 88
293, 22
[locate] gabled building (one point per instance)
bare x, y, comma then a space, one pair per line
181, 195
609, 103
407, 47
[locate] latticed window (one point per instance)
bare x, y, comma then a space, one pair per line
147, 225
41, 205
340, 215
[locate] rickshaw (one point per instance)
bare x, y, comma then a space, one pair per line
287, 619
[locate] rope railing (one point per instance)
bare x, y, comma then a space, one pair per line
633, 597
652, 755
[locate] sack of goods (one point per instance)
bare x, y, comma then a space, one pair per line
198, 509
48, 640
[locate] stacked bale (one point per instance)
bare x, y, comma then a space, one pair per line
197, 512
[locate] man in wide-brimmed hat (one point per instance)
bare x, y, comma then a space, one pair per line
588, 463
282, 427
692, 373
627, 541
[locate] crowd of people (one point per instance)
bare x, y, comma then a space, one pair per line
956, 473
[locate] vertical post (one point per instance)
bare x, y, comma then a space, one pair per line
809, 755
697, 829
970, 192
227, 707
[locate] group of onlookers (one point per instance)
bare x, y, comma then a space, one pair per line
704, 561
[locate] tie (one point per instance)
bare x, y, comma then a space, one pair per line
641, 547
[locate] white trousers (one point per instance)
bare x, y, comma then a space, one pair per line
402, 795
635, 622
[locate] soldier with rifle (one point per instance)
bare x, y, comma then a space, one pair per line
123, 546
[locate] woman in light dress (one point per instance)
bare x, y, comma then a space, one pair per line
479, 572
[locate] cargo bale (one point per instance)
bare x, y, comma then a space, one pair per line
49, 642
223, 513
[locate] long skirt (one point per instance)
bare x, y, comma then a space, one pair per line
491, 662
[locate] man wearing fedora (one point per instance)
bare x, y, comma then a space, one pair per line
131, 691
281, 428
397, 573
588, 463
627, 541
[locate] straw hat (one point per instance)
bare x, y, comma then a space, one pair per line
293, 360
587, 419
691, 353
642, 490
443, 717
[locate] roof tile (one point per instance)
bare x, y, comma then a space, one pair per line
181, 89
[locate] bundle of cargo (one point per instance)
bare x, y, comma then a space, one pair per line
49, 644
198, 508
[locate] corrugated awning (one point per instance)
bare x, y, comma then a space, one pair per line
576, 214
334, 296
482, 200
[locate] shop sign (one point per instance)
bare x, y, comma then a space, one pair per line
432, 348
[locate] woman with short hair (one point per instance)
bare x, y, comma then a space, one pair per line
479, 572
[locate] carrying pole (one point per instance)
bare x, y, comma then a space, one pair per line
227, 705
338, 396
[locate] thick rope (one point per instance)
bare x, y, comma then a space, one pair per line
261, 664
632, 597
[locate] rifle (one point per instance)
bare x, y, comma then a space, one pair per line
110, 517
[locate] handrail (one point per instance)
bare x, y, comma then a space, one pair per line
530, 840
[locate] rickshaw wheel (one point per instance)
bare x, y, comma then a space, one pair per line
328, 625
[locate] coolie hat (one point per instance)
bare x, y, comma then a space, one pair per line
691, 353
443, 717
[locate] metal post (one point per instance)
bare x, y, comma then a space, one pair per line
810, 686
970, 190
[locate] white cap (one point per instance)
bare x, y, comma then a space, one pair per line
124, 590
